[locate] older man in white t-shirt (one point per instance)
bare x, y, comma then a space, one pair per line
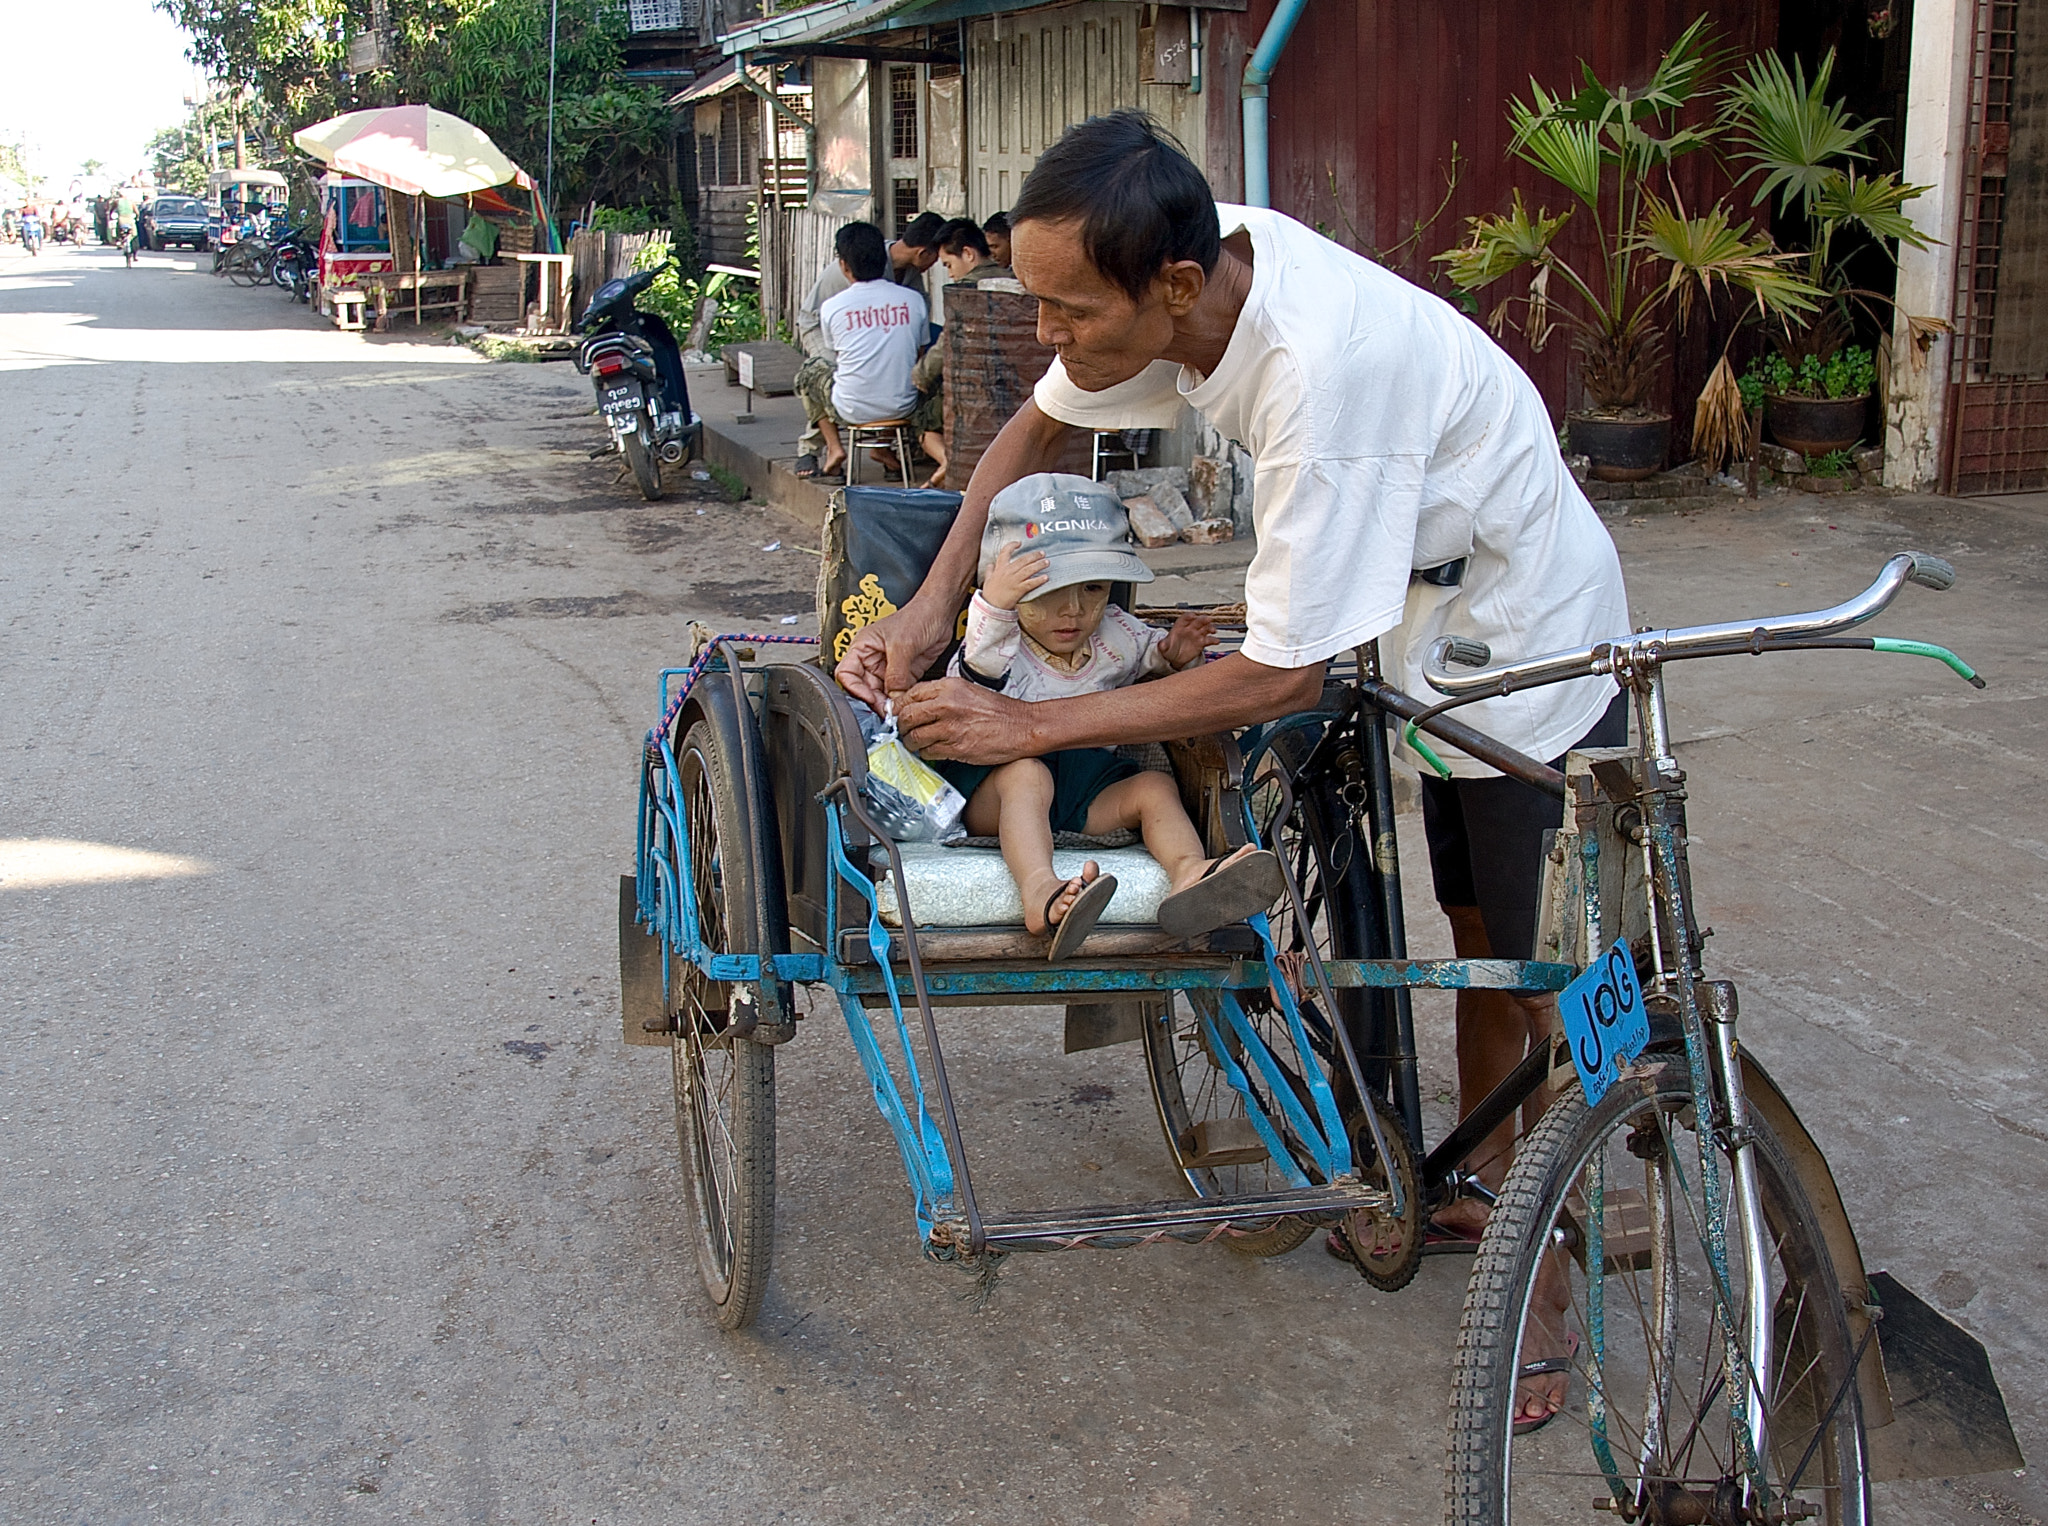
1407, 484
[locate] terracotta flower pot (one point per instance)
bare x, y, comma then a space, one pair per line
1622, 450
1813, 426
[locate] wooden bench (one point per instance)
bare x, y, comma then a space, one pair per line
453, 283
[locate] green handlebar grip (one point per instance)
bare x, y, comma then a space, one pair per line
1414, 739
1940, 654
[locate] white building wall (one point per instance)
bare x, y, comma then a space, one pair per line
1937, 126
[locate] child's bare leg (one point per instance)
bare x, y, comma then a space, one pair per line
1150, 803
1014, 804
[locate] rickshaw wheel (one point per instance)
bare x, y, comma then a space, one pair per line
1189, 1088
724, 1082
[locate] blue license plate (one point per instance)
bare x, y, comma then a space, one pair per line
1605, 1020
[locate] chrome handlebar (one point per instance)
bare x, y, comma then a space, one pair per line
1625, 652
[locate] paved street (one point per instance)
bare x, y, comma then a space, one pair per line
328, 1193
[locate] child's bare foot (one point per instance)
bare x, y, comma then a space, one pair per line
1045, 907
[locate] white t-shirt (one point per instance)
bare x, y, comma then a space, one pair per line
1388, 434
874, 329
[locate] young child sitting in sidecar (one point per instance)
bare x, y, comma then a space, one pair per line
1041, 627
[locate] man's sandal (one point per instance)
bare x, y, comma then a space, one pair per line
1228, 891
1072, 930
1544, 1367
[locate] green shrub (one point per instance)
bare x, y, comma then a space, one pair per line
675, 297
1849, 372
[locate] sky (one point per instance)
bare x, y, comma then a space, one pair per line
89, 79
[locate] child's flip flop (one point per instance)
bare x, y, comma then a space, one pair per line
1072, 930
1227, 892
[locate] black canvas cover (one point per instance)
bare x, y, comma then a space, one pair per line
879, 542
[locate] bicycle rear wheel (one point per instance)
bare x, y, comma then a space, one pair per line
1597, 1252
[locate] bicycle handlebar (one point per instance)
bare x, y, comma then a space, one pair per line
1670, 645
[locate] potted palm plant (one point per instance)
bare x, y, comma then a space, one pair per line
1611, 148
1805, 149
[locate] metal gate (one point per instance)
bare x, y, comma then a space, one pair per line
1997, 423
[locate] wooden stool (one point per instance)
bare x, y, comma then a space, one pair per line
882, 434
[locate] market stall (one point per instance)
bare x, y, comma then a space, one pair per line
355, 242
449, 205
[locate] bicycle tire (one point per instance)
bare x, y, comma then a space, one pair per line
724, 1084
1643, 1128
1188, 1088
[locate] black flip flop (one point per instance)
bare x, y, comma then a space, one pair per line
804, 466
1072, 930
1226, 893
1544, 1367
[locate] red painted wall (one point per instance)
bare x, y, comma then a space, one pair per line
1371, 95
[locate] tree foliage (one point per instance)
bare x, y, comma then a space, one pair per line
178, 157
483, 60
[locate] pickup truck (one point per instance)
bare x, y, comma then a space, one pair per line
175, 220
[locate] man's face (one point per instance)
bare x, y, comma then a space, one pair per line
1102, 335
924, 259
998, 247
958, 265
1063, 621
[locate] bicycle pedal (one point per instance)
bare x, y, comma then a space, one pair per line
1222, 1142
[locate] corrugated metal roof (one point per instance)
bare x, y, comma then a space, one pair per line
721, 79
814, 23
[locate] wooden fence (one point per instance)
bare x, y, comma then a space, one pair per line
795, 244
595, 258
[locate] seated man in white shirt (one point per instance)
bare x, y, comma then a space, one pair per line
1407, 485
873, 331
909, 258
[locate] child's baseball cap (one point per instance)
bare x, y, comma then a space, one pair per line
1081, 526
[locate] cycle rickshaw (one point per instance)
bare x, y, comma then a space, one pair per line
1701, 1285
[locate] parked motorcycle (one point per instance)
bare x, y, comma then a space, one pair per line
636, 367
292, 266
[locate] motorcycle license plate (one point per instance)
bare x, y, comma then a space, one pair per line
624, 399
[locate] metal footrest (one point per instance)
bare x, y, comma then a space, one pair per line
1192, 1221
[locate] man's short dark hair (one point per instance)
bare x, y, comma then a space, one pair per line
923, 230
962, 233
864, 249
998, 222
1140, 200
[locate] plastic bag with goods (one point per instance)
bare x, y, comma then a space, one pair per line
910, 800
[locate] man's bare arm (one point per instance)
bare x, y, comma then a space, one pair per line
886, 657
951, 718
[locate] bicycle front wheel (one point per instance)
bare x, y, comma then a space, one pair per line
1597, 1254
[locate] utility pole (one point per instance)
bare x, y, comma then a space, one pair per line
548, 177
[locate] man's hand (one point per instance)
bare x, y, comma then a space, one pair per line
887, 657
1013, 578
1189, 638
950, 719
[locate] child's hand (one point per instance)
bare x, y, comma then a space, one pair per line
1013, 579
1185, 643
